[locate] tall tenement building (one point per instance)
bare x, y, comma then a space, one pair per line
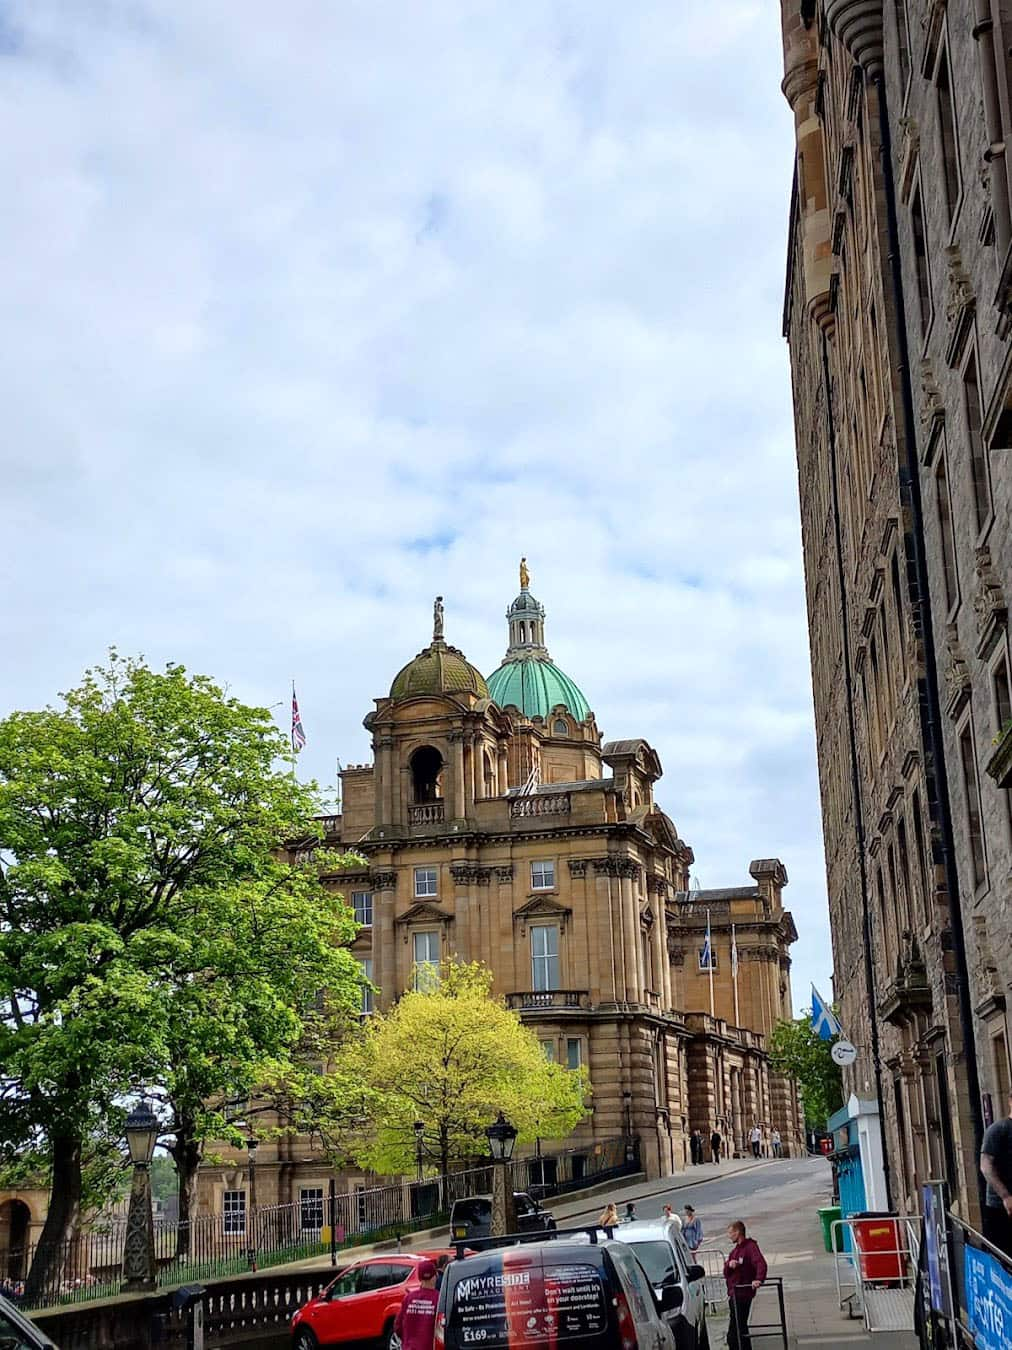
898, 314
497, 826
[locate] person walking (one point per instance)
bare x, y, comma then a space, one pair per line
609, 1217
415, 1323
744, 1271
755, 1138
692, 1230
996, 1167
630, 1212
667, 1213
775, 1141
715, 1142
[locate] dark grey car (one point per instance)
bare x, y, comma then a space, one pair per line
472, 1218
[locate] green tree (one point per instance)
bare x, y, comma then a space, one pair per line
795, 1049
451, 1055
146, 813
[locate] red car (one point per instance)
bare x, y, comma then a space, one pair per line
361, 1304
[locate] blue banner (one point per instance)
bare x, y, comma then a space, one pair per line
988, 1300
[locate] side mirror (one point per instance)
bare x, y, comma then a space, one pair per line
670, 1298
696, 1273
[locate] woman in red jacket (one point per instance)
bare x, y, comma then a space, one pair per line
744, 1272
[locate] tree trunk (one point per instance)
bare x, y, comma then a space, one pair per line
56, 1255
187, 1153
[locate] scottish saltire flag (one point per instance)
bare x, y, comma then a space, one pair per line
824, 1022
298, 731
706, 955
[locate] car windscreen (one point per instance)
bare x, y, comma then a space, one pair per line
472, 1211
658, 1260
512, 1299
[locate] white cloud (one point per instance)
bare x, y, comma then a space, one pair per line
316, 310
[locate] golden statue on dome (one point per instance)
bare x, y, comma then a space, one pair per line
525, 576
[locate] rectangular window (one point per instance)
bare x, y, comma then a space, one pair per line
903, 41
365, 965
904, 860
944, 507
542, 876
545, 956
947, 129
548, 1050
426, 950
426, 882
311, 1208
921, 259
898, 608
574, 1052
361, 903
971, 794
1002, 699
922, 866
978, 455
234, 1210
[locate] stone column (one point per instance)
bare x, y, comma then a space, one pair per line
504, 771
457, 748
631, 924
660, 951
385, 796
614, 928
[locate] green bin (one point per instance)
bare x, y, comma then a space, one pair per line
827, 1217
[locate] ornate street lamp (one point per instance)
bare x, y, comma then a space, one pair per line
501, 1138
419, 1129
252, 1144
139, 1246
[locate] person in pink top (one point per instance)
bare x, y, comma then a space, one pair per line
415, 1324
744, 1272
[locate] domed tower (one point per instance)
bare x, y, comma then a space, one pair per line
566, 744
439, 741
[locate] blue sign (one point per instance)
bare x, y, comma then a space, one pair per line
988, 1300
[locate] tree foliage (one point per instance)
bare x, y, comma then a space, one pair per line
795, 1049
153, 931
452, 1056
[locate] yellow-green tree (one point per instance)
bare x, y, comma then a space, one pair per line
451, 1056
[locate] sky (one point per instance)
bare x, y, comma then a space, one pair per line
314, 311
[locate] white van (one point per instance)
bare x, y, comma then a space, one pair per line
661, 1250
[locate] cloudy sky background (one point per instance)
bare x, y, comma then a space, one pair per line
315, 310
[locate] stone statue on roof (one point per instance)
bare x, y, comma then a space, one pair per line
525, 576
437, 620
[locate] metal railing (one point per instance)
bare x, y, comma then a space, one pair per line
767, 1314
875, 1263
531, 999
215, 1246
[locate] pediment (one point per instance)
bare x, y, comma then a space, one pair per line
424, 912
542, 907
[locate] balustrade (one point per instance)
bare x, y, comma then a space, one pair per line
542, 804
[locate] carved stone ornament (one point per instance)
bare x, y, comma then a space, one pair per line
607, 867
932, 409
383, 881
504, 874
960, 304
578, 867
470, 874
955, 674
988, 603
657, 885
676, 954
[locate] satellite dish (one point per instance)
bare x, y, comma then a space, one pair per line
843, 1053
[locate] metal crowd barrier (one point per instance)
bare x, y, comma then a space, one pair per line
878, 1283
767, 1324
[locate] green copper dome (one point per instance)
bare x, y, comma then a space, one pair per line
535, 686
527, 678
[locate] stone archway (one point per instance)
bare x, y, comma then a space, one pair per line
15, 1225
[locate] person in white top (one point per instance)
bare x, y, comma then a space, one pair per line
775, 1141
755, 1138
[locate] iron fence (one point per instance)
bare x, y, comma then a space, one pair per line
215, 1246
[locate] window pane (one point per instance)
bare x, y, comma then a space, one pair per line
426, 949
361, 903
545, 956
425, 881
945, 528
548, 1049
311, 1207
542, 876
574, 1053
234, 1209
947, 126
365, 965
921, 259
972, 794
978, 455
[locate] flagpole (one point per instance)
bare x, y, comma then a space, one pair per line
295, 753
734, 975
709, 947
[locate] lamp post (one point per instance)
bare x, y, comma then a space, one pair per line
501, 1138
419, 1129
252, 1144
139, 1247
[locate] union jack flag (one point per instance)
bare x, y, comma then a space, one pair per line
298, 731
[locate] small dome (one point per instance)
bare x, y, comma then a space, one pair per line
536, 687
439, 669
525, 604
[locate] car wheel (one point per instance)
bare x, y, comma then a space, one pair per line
390, 1340
304, 1340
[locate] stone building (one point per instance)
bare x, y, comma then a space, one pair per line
896, 314
499, 827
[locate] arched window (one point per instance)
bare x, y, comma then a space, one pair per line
561, 727
489, 776
426, 774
